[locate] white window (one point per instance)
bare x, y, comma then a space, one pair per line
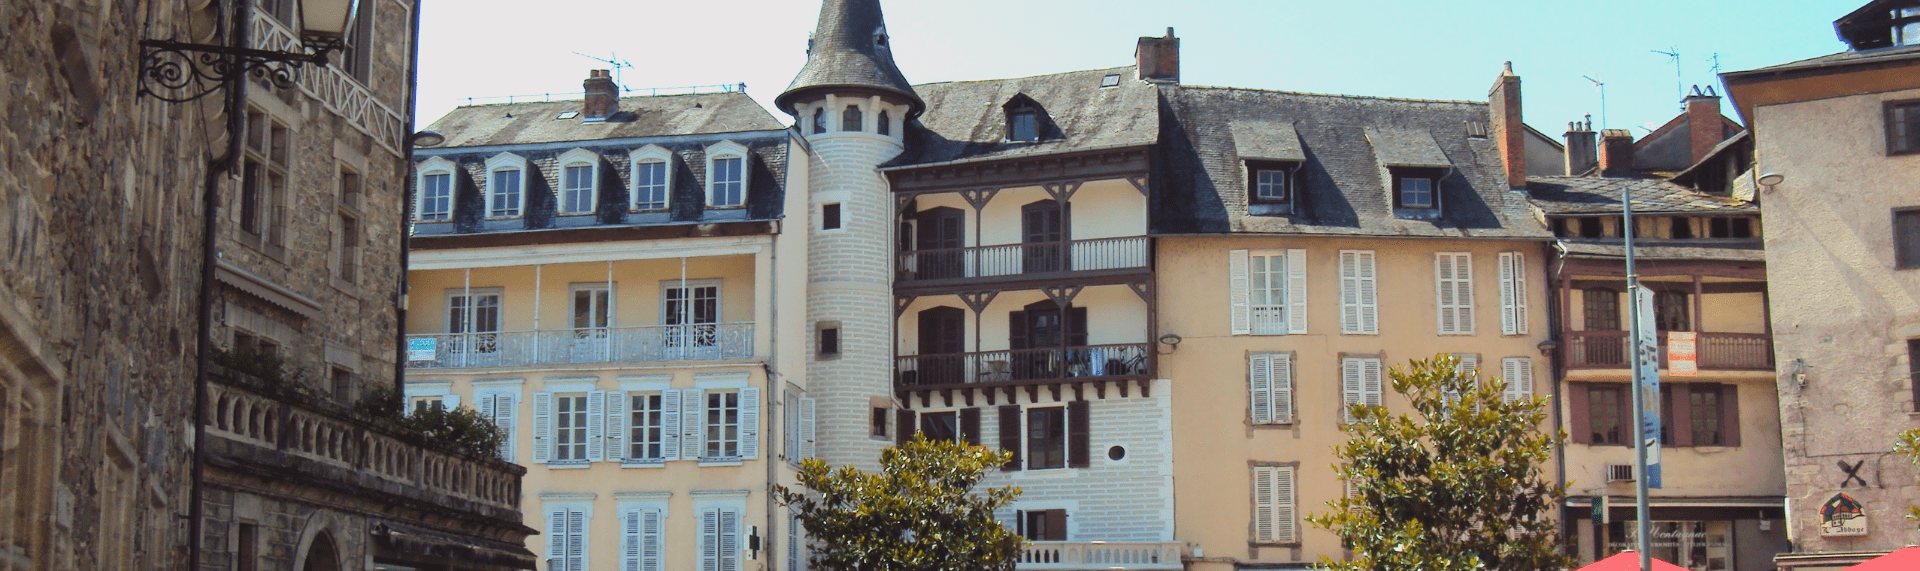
693, 307
1513, 293
500, 405
800, 427
1469, 364
719, 544
720, 422
434, 196
592, 310
1453, 286
1270, 380
726, 175
652, 178
579, 178
1270, 185
1416, 192
421, 396
641, 529
567, 535
1273, 505
1518, 374
1359, 304
506, 181
1359, 383
651, 419
568, 426
1267, 291
796, 531
474, 310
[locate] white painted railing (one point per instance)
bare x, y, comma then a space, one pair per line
1099, 555
697, 342
339, 92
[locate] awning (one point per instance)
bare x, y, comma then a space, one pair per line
1629, 561
1904, 559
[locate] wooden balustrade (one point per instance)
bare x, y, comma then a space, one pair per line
1125, 360
1715, 351
1013, 260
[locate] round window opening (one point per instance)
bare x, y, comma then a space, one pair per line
1117, 453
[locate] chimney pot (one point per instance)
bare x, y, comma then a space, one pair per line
1158, 59
603, 97
1582, 152
1703, 122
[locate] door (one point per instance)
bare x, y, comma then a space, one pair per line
1041, 230
592, 322
692, 314
940, 245
942, 344
1040, 336
474, 322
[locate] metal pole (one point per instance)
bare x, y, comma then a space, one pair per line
606, 327
466, 316
536, 308
1642, 523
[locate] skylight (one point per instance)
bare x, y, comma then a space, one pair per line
1110, 80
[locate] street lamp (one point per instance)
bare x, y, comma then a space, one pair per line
179, 72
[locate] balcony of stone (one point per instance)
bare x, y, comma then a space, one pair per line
645, 344
1041, 555
1715, 351
1077, 260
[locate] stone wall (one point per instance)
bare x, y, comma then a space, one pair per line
1126, 500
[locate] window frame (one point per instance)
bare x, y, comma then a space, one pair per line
349, 233
585, 421
633, 528
265, 181
660, 427
1276, 407
566, 509
1514, 308
1015, 116
1433, 176
854, 113
1906, 258
1461, 306
431, 167
499, 318
1359, 292
1360, 384
574, 159
1910, 108
1620, 414
1056, 434
1280, 511
718, 395
722, 511
496, 166
1286, 172
724, 151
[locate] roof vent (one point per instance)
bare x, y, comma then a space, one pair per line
567, 115
1111, 80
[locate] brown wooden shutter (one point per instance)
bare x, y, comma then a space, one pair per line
1578, 414
970, 426
1076, 327
1020, 523
1077, 433
1017, 330
1681, 408
1056, 525
1730, 414
903, 430
1010, 436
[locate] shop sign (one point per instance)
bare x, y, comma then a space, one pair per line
1842, 516
1683, 353
422, 348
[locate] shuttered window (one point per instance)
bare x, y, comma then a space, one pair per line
1359, 305
1453, 286
643, 430
500, 407
1270, 384
1518, 374
1267, 291
728, 424
1513, 293
1273, 505
1360, 383
567, 537
1906, 236
796, 540
720, 539
641, 548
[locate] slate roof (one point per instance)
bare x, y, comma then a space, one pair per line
1736, 250
965, 120
850, 49
1200, 178
651, 116
1575, 195
1839, 59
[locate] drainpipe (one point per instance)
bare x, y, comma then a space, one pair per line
1554, 361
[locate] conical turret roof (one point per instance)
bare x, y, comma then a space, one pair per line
850, 49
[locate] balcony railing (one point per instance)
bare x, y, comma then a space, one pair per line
1023, 259
1714, 351
1099, 555
1127, 360
698, 342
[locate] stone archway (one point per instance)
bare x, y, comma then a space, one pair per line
322, 555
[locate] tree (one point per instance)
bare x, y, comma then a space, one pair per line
918, 514
1909, 445
1456, 485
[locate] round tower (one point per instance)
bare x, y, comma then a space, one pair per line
851, 104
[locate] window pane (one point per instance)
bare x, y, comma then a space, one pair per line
1023, 126
578, 192
436, 197
1906, 238
727, 188
650, 191
506, 193
1416, 192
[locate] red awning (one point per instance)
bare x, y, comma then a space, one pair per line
1903, 559
1630, 561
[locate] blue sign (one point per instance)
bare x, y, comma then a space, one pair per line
1646, 359
422, 348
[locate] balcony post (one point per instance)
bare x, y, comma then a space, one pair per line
466, 311
1699, 299
536, 308
608, 345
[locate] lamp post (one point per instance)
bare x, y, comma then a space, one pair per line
179, 72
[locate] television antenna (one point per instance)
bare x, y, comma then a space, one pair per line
614, 63
1679, 80
1715, 60
1601, 87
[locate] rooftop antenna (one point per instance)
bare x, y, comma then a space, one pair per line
1715, 60
1679, 80
613, 62
1601, 87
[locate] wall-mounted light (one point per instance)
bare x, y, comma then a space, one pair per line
428, 138
1548, 347
1171, 341
1770, 179
1799, 372
179, 72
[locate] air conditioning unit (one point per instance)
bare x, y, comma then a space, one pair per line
1619, 473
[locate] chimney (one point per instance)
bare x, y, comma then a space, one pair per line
1616, 152
1158, 59
1703, 120
1583, 152
603, 97
1503, 103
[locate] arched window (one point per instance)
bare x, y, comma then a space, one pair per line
321, 555
506, 184
850, 119
820, 120
726, 175
652, 178
884, 123
579, 175
433, 194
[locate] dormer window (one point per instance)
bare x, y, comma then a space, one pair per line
652, 178
1416, 188
726, 175
506, 181
434, 194
820, 120
884, 124
1270, 187
1023, 125
579, 171
1906, 27
850, 119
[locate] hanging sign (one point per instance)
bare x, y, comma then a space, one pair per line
422, 348
1646, 351
1683, 353
1842, 516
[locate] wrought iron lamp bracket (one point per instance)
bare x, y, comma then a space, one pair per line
178, 72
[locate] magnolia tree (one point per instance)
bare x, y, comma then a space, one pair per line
1909, 445
919, 513
1455, 484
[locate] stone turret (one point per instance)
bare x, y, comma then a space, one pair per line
850, 52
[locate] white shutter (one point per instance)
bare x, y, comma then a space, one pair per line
1296, 291
1239, 304
1284, 530
618, 437
596, 426
1351, 387
651, 556
1260, 387
1518, 373
1469, 364
1282, 387
729, 540
693, 409
483, 404
576, 540
630, 558
669, 425
1513, 293
709, 544
1370, 381
1359, 305
790, 431
1453, 288
1263, 503
542, 427
1443, 293
807, 449
556, 539
1463, 291
498, 407
749, 423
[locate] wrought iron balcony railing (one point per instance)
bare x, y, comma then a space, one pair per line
697, 342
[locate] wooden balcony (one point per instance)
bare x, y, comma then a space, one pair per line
1032, 368
1022, 262
1716, 351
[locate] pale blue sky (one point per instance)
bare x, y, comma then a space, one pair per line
1389, 48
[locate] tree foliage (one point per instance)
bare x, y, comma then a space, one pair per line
1909, 445
918, 514
1455, 485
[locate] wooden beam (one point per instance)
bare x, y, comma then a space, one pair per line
977, 300
1100, 389
1139, 183
946, 397
1062, 295
900, 304
1142, 289
978, 198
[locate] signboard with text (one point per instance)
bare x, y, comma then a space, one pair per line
1683, 353
1646, 359
422, 349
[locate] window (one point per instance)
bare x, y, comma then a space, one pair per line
694, 307
647, 426
247, 543
820, 120
1513, 293
356, 55
263, 181
877, 422
1607, 414
1517, 372
342, 381
796, 552
1729, 227
1903, 124
577, 189
1913, 370
1670, 311
1023, 124
568, 421
1680, 227
501, 407
1270, 382
1268, 291
941, 426
722, 425
473, 317
347, 235
726, 175
569, 428
1592, 227
1453, 286
1602, 309
1416, 188
1698, 414
436, 196
1273, 505
800, 426
1704, 406
1359, 304
506, 178
1906, 238
641, 529
883, 124
720, 539
567, 536
1046, 438
1042, 525
426, 403
829, 341
830, 216
1270, 185
850, 119
1360, 383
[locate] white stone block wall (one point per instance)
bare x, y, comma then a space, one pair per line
1129, 500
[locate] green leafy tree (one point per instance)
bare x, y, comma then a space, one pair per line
918, 514
1909, 445
1456, 485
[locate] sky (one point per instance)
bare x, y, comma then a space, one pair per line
488, 50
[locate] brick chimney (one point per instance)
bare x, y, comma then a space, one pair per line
1703, 120
1616, 152
1158, 58
603, 97
1503, 103
1583, 151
